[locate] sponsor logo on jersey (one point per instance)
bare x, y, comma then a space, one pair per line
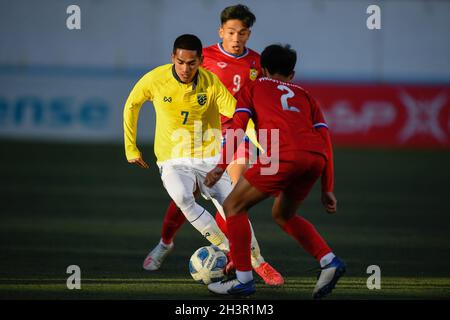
201, 98
222, 64
253, 74
167, 99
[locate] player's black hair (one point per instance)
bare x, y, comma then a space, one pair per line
238, 12
188, 42
279, 59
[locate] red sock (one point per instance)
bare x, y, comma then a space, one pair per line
240, 237
305, 233
221, 223
173, 220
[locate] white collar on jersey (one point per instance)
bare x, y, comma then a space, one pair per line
246, 51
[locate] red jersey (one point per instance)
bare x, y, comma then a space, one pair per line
286, 107
273, 104
234, 71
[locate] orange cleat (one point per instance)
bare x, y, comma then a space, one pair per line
270, 276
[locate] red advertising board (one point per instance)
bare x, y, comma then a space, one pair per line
409, 116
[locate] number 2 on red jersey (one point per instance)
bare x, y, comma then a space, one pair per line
284, 98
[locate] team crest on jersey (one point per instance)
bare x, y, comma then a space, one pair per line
201, 98
222, 65
253, 74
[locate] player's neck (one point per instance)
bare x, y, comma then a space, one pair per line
280, 77
231, 53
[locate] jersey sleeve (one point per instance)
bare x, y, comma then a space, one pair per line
207, 60
235, 134
244, 99
245, 104
321, 126
224, 99
317, 116
233, 137
141, 92
258, 67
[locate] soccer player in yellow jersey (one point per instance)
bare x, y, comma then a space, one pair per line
236, 66
188, 101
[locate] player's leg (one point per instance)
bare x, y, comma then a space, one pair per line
268, 273
332, 268
172, 221
242, 157
181, 182
234, 170
284, 213
236, 205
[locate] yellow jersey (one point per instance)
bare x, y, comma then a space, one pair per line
187, 115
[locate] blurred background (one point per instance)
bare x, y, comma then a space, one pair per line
68, 195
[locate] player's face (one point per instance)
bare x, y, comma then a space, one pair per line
234, 35
186, 64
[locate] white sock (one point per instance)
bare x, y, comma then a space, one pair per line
326, 259
165, 245
244, 276
257, 258
207, 226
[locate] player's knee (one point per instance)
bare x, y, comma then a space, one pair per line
230, 207
280, 217
183, 200
279, 220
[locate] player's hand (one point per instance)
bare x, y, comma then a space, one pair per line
329, 202
213, 176
139, 162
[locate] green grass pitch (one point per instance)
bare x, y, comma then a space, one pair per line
84, 205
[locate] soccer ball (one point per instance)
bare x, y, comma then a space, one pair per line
207, 265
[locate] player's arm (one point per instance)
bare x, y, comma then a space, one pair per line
227, 105
140, 93
328, 197
224, 99
241, 116
233, 137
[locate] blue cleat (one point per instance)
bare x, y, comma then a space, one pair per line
328, 277
233, 287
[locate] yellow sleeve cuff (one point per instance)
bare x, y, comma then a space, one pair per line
251, 134
132, 152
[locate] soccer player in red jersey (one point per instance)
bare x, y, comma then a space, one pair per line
298, 146
236, 66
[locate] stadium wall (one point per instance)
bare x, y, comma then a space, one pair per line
377, 87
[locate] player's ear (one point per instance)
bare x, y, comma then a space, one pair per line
265, 72
173, 58
221, 32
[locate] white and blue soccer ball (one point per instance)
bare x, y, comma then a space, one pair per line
207, 265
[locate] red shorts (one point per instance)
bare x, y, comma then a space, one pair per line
294, 175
